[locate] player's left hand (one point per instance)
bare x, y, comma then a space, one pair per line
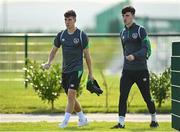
130, 57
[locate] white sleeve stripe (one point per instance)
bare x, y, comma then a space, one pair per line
61, 35
122, 32
139, 29
81, 37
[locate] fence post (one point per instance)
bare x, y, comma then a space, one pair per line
175, 87
25, 55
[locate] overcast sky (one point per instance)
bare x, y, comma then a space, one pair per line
97, 1
48, 14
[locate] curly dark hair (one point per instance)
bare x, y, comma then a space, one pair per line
128, 9
70, 13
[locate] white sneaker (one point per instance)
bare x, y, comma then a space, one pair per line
82, 122
63, 124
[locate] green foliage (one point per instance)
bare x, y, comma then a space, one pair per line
46, 83
160, 86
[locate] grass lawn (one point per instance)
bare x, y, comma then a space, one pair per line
93, 126
14, 98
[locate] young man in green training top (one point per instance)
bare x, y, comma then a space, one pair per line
136, 49
74, 43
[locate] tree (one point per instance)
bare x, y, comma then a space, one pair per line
160, 86
46, 83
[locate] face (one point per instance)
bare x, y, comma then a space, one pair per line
70, 22
128, 18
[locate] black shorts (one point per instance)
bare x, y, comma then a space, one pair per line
71, 80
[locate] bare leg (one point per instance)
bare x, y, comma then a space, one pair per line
77, 106
71, 100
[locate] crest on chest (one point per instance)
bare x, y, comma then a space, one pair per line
134, 35
76, 41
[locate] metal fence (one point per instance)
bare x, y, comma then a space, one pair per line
105, 49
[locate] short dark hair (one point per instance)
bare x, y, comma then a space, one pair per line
128, 9
70, 13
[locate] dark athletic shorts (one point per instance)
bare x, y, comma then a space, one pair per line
71, 80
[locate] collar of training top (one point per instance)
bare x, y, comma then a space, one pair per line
133, 25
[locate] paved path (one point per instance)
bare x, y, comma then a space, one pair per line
110, 117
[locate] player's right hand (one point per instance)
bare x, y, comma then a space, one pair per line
130, 57
45, 66
91, 77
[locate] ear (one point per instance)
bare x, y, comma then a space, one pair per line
134, 16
